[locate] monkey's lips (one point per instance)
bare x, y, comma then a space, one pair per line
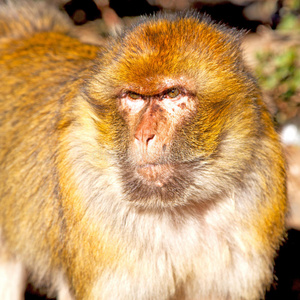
157, 174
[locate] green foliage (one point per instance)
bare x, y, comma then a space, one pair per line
289, 22
279, 75
282, 70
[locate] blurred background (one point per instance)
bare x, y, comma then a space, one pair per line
272, 50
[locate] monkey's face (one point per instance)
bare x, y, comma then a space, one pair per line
166, 93
153, 121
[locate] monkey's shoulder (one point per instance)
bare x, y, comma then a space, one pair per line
36, 41
19, 20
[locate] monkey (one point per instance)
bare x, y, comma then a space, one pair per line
145, 168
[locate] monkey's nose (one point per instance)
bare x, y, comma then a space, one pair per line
144, 137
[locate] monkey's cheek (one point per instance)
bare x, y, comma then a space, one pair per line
155, 174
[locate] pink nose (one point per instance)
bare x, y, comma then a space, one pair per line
144, 136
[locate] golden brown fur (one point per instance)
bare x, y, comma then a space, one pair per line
92, 213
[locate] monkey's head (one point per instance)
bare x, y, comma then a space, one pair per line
175, 106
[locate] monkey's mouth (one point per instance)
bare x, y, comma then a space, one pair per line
157, 174
158, 184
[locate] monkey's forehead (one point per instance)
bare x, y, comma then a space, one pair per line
164, 47
159, 50
183, 35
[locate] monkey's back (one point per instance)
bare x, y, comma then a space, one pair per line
39, 73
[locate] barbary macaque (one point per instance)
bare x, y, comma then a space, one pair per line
147, 168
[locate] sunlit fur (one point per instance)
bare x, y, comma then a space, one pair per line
89, 212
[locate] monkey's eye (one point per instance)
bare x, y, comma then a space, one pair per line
173, 93
133, 95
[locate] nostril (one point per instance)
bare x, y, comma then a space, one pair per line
144, 137
150, 137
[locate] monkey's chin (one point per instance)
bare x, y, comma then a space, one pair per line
156, 185
155, 174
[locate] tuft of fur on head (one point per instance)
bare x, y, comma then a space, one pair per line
230, 35
28, 17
